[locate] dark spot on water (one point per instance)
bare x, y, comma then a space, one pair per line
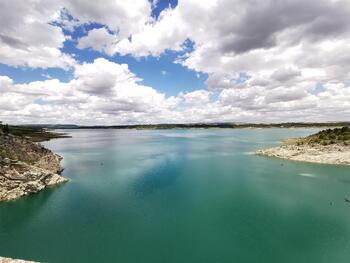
344, 181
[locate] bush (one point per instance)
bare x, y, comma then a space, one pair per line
322, 137
345, 129
333, 136
5, 128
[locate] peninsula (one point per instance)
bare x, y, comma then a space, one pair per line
330, 146
25, 166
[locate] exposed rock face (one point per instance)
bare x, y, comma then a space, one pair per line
26, 167
329, 154
10, 260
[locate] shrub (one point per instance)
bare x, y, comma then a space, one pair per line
345, 129
5, 128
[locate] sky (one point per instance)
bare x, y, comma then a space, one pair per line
167, 61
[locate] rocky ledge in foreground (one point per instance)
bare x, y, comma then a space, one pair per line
26, 167
328, 147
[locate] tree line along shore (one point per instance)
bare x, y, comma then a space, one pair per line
224, 125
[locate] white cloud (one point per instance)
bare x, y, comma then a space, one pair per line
121, 17
28, 39
198, 97
167, 33
286, 47
100, 40
31, 33
234, 36
5, 83
104, 92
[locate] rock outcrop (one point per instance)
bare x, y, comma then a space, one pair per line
327, 154
330, 146
10, 260
26, 167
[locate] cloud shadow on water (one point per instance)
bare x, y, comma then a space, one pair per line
163, 176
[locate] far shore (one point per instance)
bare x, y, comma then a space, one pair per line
225, 125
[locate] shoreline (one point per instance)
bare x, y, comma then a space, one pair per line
199, 125
26, 167
12, 260
330, 154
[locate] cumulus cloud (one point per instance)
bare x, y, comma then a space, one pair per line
198, 97
273, 41
105, 92
102, 77
122, 17
27, 37
102, 90
31, 34
99, 39
263, 60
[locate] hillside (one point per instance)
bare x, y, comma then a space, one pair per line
35, 134
327, 137
25, 166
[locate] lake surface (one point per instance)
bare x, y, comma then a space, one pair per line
182, 196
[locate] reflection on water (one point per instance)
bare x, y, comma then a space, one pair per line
156, 179
307, 175
182, 196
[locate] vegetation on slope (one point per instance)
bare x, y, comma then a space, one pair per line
16, 142
339, 136
35, 134
20, 149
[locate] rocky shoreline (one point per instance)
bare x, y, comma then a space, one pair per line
11, 260
326, 154
26, 167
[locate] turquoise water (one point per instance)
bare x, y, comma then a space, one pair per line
182, 196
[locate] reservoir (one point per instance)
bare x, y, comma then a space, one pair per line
196, 195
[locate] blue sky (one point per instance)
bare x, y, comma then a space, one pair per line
161, 73
156, 61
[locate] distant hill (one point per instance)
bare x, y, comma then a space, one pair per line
50, 126
35, 134
197, 125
